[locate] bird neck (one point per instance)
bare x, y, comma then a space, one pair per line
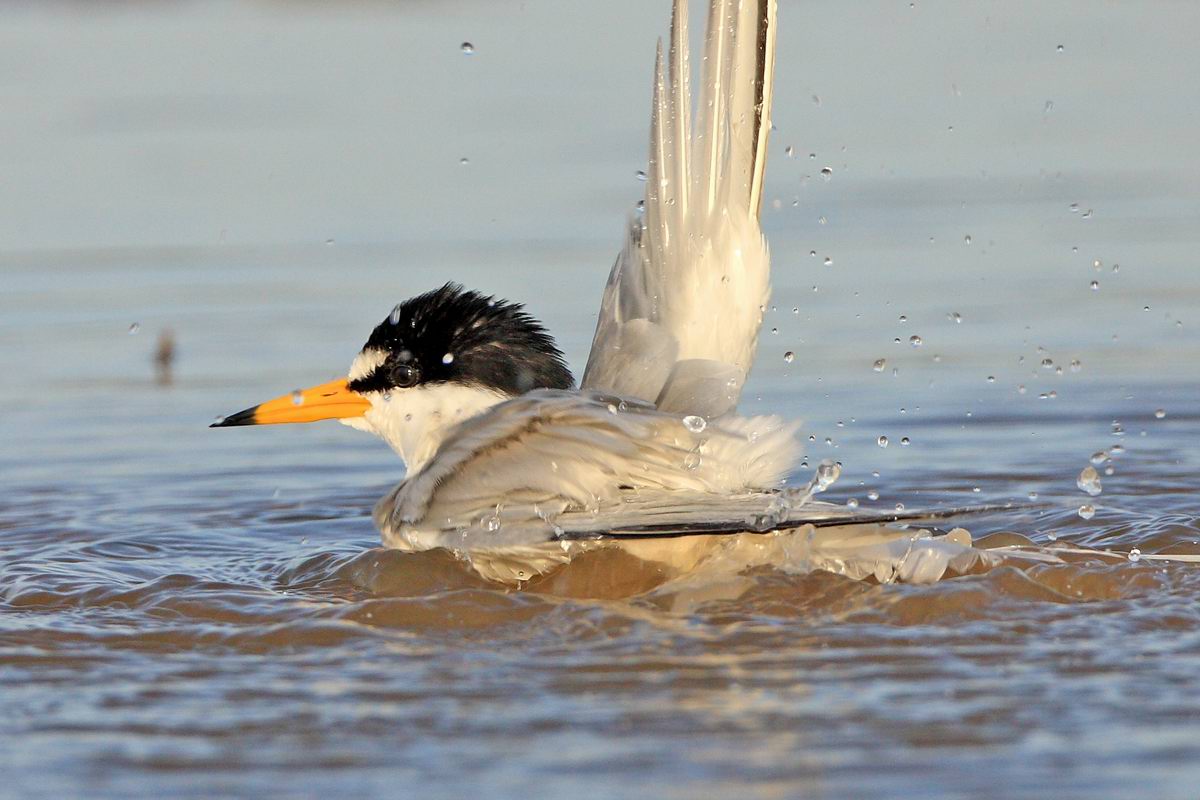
414, 422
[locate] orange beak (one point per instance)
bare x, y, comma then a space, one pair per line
331, 400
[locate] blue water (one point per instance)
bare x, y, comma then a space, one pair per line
202, 613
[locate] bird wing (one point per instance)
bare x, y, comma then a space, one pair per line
678, 325
503, 477
521, 488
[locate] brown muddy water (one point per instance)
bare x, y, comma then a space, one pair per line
198, 613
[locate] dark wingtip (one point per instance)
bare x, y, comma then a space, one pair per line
240, 418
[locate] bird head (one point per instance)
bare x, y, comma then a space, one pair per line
437, 359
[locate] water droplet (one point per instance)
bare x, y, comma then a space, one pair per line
827, 474
789, 357
827, 173
955, 317
1095, 286
640, 175
904, 441
1089, 481
899, 507
991, 378
448, 358
1160, 413
1033, 495
915, 341
1135, 554
1047, 363
134, 328
872, 495
1046, 109
467, 48
694, 423
852, 503
882, 441
880, 365
1099, 457
1076, 365
1116, 449
903, 319
464, 161
297, 397
612, 408
1059, 48
691, 461
492, 523
828, 261
967, 239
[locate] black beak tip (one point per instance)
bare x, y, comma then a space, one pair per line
233, 420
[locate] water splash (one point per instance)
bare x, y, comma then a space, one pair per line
1089, 481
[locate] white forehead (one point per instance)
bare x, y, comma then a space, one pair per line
366, 362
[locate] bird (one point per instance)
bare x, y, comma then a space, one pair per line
516, 469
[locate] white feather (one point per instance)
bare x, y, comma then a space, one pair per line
679, 321
500, 479
414, 421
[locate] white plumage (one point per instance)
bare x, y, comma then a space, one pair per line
533, 468
679, 321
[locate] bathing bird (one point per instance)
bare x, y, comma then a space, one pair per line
516, 469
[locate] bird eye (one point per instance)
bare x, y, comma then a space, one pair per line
405, 375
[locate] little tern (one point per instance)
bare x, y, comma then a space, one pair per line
516, 470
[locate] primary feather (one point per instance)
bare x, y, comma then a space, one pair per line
679, 321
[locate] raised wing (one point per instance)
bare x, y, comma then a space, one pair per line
679, 321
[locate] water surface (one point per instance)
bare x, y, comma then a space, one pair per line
207, 613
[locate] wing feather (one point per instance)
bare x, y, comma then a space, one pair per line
500, 476
684, 300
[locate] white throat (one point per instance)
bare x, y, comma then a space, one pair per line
414, 422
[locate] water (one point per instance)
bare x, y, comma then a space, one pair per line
204, 613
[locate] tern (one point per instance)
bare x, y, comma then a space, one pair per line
511, 466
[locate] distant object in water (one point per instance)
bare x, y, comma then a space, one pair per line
164, 357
